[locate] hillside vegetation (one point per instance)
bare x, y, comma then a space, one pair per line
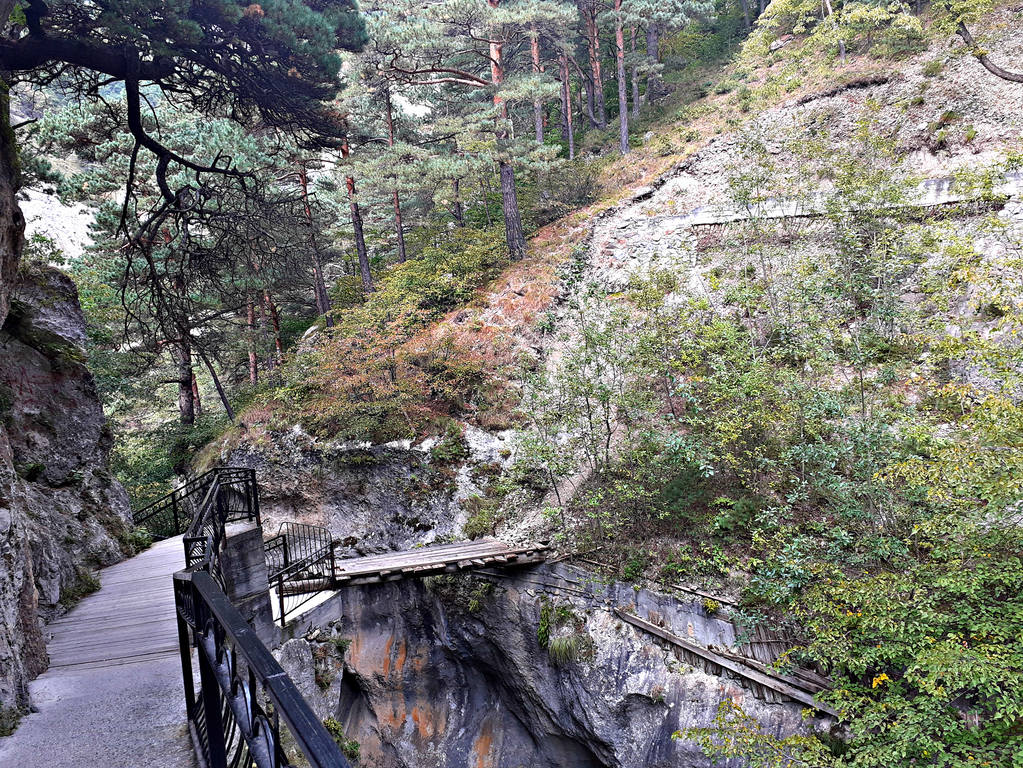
815, 413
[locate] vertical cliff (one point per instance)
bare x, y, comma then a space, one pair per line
530, 669
62, 513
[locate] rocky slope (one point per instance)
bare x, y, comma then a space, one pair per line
458, 674
61, 512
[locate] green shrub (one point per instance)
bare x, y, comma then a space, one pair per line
564, 650
349, 747
9, 719
85, 584
482, 517
933, 68
452, 447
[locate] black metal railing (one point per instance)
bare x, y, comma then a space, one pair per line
300, 565
170, 515
244, 711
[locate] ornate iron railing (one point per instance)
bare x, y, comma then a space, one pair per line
245, 712
300, 564
170, 515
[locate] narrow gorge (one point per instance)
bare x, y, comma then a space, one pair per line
511, 383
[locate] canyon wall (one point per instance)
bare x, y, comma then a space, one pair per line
453, 672
62, 513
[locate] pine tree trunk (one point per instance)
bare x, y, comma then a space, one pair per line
565, 98
12, 223
360, 237
319, 284
509, 198
275, 320
534, 47
216, 383
635, 76
745, 14
566, 106
250, 341
459, 209
589, 101
593, 47
399, 229
181, 353
653, 42
512, 222
196, 400
623, 87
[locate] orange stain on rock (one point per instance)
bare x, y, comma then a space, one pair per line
484, 745
387, 655
427, 721
399, 660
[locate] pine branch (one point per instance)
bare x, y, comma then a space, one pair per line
981, 55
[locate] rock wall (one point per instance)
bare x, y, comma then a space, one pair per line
61, 511
453, 674
372, 498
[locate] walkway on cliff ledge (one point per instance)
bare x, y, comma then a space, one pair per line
112, 695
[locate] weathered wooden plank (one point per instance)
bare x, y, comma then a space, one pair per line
741, 669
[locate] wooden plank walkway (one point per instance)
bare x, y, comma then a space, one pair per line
112, 695
439, 558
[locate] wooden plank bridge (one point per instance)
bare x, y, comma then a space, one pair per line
428, 560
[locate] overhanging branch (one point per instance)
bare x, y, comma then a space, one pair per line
981, 55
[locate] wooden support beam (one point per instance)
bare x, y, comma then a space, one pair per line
741, 669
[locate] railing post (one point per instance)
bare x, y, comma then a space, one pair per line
280, 597
254, 508
174, 510
333, 565
211, 704
185, 648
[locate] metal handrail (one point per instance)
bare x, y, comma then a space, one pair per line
243, 693
168, 515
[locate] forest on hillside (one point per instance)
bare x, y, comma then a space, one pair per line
407, 221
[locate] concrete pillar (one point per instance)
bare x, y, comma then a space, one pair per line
245, 578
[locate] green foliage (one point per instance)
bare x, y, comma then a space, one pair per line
563, 650
9, 719
350, 748
136, 540
146, 461
452, 446
482, 517
735, 734
372, 377
927, 658
85, 583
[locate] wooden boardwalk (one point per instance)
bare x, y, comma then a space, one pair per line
420, 561
439, 558
112, 695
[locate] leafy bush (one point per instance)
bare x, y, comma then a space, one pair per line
452, 446
349, 747
564, 650
372, 377
482, 517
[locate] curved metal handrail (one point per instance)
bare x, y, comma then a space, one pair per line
243, 694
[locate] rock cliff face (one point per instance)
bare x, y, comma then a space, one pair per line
61, 511
373, 498
453, 673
